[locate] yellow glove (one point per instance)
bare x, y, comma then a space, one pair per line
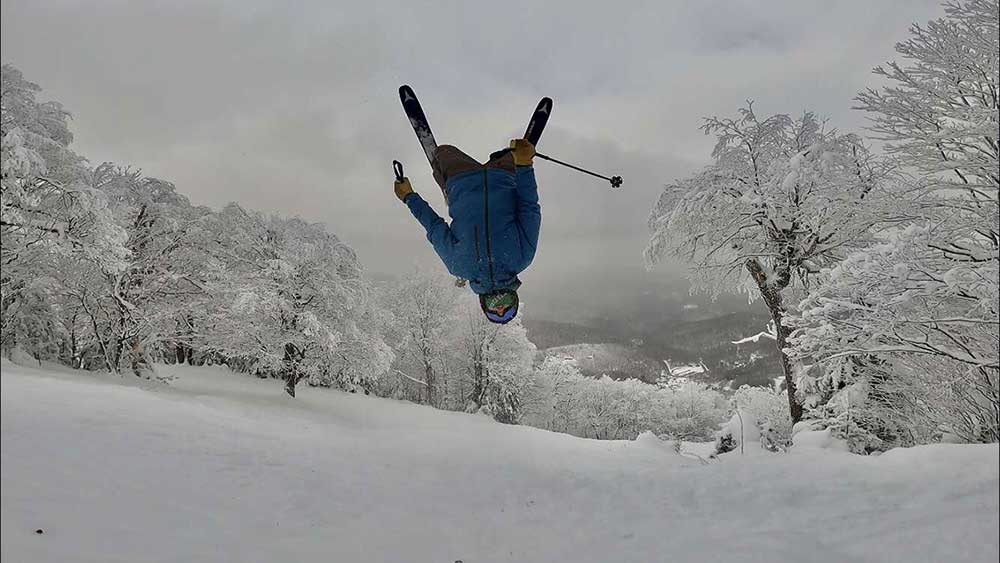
523, 152
402, 188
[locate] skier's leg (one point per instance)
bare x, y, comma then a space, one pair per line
529, 213
449, 161
503, 160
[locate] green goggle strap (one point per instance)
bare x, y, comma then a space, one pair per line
500, 299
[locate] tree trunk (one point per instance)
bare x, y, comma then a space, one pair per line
118, 353
108, 360
478, 380
74, 345
291, 360
428, 381
772, 298
138, 360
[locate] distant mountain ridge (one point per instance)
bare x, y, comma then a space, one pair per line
550, 334
614, 360
620, 350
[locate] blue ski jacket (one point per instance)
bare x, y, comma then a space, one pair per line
495, 220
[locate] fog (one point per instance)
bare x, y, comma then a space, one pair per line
292, 107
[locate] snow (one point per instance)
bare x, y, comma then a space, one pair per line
686, 371
223, 467
755, 338
770, 332
818, 439
742, 426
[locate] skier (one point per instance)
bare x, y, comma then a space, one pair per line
495, 220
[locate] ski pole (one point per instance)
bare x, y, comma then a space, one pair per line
397, 169
616, 181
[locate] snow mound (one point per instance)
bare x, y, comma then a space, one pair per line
742, 427
818, 439
650, 440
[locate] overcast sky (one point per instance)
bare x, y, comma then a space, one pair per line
292, 107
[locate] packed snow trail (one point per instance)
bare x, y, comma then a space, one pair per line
223, 467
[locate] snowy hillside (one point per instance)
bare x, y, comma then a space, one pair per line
627, 347
223, 467
614, 360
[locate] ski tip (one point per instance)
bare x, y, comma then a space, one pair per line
545, 105
406, 92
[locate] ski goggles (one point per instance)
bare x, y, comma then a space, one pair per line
499, 306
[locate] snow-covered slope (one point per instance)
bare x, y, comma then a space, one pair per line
221, 467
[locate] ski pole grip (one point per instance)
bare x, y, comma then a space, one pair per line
397, 168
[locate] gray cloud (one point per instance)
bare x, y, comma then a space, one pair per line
292, 107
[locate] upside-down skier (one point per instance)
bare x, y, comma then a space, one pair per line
495, 221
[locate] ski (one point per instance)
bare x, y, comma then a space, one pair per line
415, 113
535, 125
422, 128
538, 120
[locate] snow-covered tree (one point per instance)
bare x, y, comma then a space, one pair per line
162, 274
496, 361
769, 408
693, 410
106, 268
289, 301
564, 400
50, 216
912, 320
782, 199
425, 315
550, 399
939, 115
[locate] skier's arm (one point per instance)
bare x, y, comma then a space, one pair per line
438, 232
529, 213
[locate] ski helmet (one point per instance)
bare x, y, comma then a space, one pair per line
499, 306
